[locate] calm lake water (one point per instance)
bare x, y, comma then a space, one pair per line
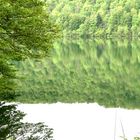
106, 72
102, 71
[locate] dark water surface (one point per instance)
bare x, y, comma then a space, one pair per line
102, 71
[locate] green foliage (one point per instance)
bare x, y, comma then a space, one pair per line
12, 127
106, 72
99, 21
101, 18
9, 120
26, 28
30, 131
25, 31
7, 84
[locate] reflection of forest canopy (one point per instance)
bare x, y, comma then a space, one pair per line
97, 17
100, 71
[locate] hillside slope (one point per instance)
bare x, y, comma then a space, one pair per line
108, 18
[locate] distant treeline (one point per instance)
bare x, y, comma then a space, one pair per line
100, 18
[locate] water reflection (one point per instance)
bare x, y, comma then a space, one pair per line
102, 71
85, 121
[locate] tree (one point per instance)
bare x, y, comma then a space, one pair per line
99, 21
9, 120
25, 31
75, 22
107, 15
7, 85
30, 131
12, 127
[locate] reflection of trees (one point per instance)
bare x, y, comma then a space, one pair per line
106, 72
12, 127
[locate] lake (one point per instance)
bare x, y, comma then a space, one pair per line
92, 87
102, 71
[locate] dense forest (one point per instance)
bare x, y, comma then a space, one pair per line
100, 18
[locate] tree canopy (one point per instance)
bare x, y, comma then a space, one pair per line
25, 31
25, 28
12, 127
100, 18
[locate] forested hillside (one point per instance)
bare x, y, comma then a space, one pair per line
103, 18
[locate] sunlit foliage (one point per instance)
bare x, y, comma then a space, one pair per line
25, 31
100, 18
